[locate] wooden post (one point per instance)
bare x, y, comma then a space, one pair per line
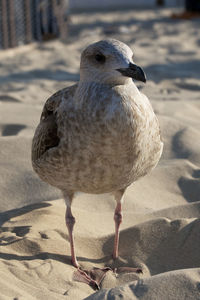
5, 24
59, 12
13, 41
38, 21
28, 26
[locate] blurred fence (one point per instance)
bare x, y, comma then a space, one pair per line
24, 21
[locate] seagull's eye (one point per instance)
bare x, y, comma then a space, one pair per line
100, 58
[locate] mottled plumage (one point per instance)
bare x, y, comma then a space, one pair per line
101, 134
96, 138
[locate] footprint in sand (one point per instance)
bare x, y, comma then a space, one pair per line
6, 98
189, 86
178, 147
185, 144
196, 174
12, 234
11, 129
190, 187
18, 230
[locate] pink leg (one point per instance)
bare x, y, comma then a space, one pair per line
70, 221
118, 219
79, 275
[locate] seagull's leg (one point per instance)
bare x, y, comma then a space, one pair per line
118, 219
70, 221
79, 275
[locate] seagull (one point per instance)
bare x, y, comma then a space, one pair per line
99, 135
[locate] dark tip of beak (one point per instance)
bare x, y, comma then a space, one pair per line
139, 73
134, 72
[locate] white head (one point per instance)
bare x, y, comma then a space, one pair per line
109, 61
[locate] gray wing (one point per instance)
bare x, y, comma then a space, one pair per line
46, 134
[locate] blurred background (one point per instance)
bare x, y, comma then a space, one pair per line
24, 21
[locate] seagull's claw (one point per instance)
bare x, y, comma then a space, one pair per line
82, 276
93, 277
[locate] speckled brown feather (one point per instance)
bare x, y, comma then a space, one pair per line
47, 138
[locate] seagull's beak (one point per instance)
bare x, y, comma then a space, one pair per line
134, 72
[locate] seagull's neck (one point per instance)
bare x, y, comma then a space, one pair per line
107, 83
90, 91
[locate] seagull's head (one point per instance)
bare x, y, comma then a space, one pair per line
111, 62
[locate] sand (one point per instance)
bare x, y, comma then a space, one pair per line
161, 228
